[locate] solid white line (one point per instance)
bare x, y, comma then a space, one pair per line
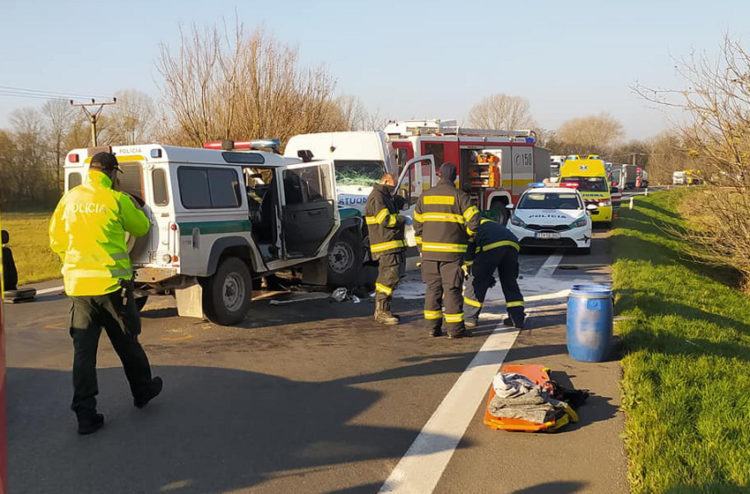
420, 469
44, 291
549, 266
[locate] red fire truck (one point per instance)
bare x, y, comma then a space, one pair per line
494, 166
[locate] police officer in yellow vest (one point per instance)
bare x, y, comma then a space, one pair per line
87, 231
386, 230
444, 219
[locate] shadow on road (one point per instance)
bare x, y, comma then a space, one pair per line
212, 430
553, 487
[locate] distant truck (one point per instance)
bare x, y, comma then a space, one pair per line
686, 177
628, 177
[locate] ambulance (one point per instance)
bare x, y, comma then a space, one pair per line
589, 176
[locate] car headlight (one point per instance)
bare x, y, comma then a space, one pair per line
579, 222
606, 202
516, 221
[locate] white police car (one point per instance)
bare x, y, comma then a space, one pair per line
552, 217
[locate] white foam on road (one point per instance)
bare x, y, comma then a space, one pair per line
420, 469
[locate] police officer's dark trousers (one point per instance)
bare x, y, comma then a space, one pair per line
122, 324
388, 276
444, 280
504, 260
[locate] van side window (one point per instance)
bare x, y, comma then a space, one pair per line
202, 188
74, 180
159, 181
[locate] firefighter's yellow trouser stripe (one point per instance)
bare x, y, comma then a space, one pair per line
394, 244
449, 200
501, 243
470, 212
518, 303
473, 303
433, 314
442, 247
454, 317
383, 289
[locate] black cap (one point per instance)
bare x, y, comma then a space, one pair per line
104, 161
448, 171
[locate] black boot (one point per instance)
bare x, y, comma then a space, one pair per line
89, 422
151, 392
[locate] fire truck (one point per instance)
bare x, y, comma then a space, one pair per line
494, 166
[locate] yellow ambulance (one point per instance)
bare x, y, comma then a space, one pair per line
589, 176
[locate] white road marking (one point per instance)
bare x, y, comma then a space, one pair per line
549, 266
45, 291
423, 464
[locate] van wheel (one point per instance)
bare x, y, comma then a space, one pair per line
344, 259
227, 294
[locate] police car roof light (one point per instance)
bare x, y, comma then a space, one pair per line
537, 185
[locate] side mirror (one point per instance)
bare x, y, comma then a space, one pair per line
509, 207
592, 207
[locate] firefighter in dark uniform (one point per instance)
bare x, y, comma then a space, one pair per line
494, 248
444, 219
386, 228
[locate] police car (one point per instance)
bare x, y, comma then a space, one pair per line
552, 217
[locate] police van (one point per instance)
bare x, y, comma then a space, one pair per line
221, 218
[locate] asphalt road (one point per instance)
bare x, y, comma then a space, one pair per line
311, 396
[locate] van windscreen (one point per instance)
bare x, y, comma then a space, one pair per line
590, 184
358, 172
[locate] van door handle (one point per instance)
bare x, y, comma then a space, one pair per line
315, 213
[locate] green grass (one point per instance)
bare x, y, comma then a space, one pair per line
29, 242
686, 341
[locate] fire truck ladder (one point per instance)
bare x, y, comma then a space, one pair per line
407, 128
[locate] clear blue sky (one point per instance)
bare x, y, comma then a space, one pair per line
406, 59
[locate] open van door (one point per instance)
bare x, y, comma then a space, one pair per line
417, 176
309, 212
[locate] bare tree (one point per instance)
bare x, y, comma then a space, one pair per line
224, 84
130, 121
594, 134
59, 115
717, 138
500, 111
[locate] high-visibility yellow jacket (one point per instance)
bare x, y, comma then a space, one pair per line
444, 219
384, 225
87, 231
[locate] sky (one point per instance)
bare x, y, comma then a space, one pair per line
407, 59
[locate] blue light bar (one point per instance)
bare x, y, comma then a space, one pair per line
537, 185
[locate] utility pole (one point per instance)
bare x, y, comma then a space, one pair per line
93, 116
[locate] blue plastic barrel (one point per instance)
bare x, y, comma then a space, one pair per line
589, 332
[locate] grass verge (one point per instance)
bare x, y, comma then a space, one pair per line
686, 338
29, 242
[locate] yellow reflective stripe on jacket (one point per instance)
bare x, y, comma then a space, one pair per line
433, 314
378, 218
383, 289
502, 243
518, 303
443, 247
470, 232
392, 220
469, 263
470, 212
393, 244
454, 317
445, 217
445, 200
473, 303
484, 220
417, 216
418, 240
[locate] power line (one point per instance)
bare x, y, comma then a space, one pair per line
41, 93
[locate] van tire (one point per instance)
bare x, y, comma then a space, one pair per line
227, 294
140, 302
345, 255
